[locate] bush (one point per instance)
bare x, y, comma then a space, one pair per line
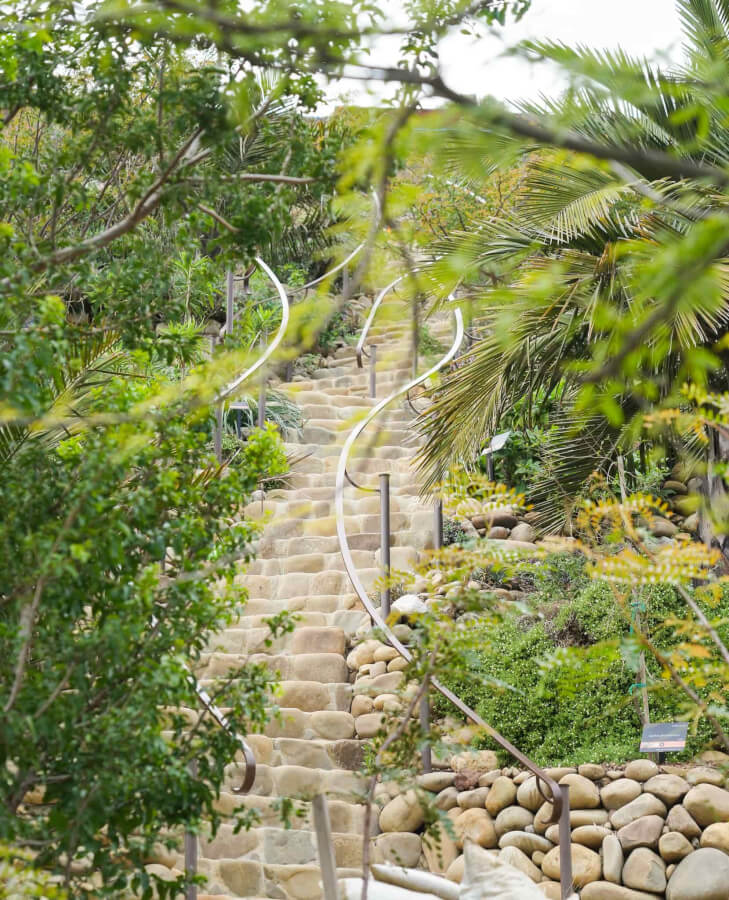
560, 683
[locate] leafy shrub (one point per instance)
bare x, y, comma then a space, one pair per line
453, 532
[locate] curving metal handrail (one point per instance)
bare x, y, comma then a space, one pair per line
232, 386
559, 793
371, 318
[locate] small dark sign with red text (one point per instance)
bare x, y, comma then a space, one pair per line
664, 737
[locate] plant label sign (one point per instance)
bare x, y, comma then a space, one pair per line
664, 737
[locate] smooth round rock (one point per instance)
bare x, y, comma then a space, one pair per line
669, 788
704, 775
679, 819
403, 813
476, 825
474, 799
702, 875
584, 794
620, 793
579, 817
523, 532
447, 799
514, 857
401, 848
454, 872
604, 890
591, 771
645, 805
674, 846
502, 794
528, 794
644, 870
435, 781
612, 859
716, 835
528, 843
707, 804
641, 769
590, 836
586, 865
642, 832
513, 818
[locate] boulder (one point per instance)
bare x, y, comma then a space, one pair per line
702, 875
502, 794
673, 846
591, 771
403, 813
474, 799
641, 769
707, 804
586, 865
604, 890
513, 818
717, 836
669, 788
523, 532
455, 870
661, 527
362, 705
363, 654
408, 605
579, 817
447, 799
526, 842
513, 856
645, 805
439, 849
679, 819
476, 825
498, 533
584, 793
369, 724
612, 859
590, 836
528, 794
642, 832
415, 880
398, 847
620, 793
480, 761
489, 877
705, 775
644, 870
435, 781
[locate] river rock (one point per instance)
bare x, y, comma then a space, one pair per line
401, 848
447, 799
580, 817
669, 788
707, 804
644, 870
642, 832
703, 875
620, 793
673, 846
584, 793
704, 775
476, 825
678, 487
661, 527
409, 605
474, 799
604, 890
716, 835
591, 771
415, 881
362, 705
363, 654
586, 866
612, 859
679, 819
641, 769
528, 794
403, 813
435, 781
590, 836
502, 794
526, 841
523, 532
498, 533
513, 818
514, 857
645, 805
455, 870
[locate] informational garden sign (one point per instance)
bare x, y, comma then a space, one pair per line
664, 737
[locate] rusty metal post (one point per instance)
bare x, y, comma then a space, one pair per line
262, 393
325, 846
565, 844
373, 372
385, 541
191, 853
426, 754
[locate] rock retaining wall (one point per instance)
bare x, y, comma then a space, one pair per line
639, 832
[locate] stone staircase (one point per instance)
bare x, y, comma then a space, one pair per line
314, 747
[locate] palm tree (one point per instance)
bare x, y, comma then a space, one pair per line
564, 263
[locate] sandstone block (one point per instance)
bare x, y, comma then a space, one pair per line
333, 726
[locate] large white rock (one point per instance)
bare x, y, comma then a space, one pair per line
487, 877
409, 605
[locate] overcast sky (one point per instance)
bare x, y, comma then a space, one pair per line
642, 27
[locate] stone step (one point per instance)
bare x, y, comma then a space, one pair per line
278, 846
300, 782
310, 696
349, 620
304, 639
319, 453
326, 668
354, 505
344, 817
304, 584
307, 563
249, 878
318, 753
327, 604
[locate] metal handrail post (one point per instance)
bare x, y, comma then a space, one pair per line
229, 308
426, 754
565, 841
385, 541
438, 525
373, 370
191, 853
262, 393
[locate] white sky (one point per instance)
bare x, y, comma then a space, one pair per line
641, 27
